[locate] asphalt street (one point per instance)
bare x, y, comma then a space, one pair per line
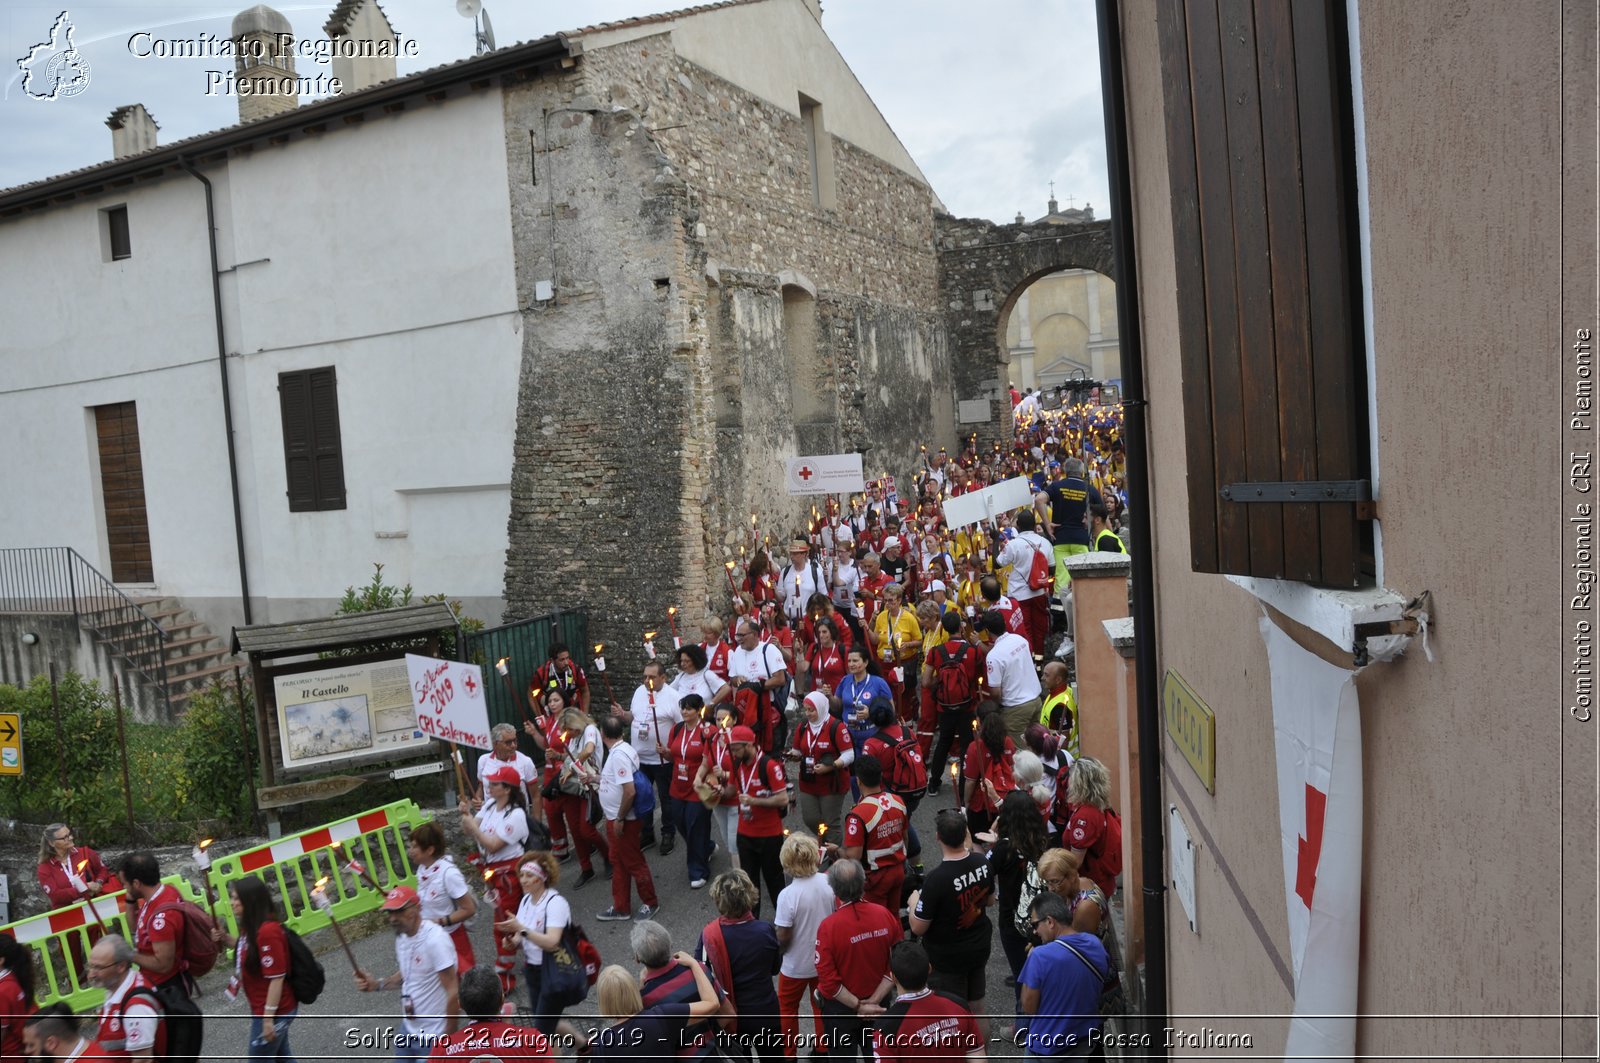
346, 1024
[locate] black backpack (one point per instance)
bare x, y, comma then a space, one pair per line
306, 976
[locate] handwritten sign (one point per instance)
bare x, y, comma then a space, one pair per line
448, 696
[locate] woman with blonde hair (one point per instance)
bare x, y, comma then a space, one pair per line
1094, 830
577, 747
1059, 869
743, 953
802, 906
633, 1031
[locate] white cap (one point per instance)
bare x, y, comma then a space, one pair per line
937, 585
893, 540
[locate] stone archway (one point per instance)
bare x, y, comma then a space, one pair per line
983, 269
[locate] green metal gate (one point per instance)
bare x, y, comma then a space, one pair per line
524, 646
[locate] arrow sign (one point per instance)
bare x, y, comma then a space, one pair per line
8, 729
10, 743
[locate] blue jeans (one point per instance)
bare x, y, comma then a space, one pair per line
279, 1046
546, 1015
694, 820
661, 778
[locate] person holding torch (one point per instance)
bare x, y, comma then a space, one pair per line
501, 829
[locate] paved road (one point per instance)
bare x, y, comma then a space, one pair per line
345, 1024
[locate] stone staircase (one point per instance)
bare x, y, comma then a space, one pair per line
195, 656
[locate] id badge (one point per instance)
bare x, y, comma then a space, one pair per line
899, 674
406, 1007
231, 993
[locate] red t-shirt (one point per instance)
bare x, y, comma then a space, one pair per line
688, 746
14, 1011
717, 658
808, 631
871, 587
764, 589
569, 680
925, 1026
969, 659
274, 952
830, 740
1085, 830
764, 778
828, 666
555, 750
976, 764
493, 1040
878, 826
157, 921
853, 948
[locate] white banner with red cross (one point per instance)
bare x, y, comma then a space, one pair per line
1316, 718
825, 474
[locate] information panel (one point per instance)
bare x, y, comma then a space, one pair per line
347, 711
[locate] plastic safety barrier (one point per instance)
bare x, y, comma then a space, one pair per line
61, 940
375, 839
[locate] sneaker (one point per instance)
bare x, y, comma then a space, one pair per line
666, 846
646, 843
647, 911
562, 858
585, 878
611, 915
698, 883
933, 788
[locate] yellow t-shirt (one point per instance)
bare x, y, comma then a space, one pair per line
906, 636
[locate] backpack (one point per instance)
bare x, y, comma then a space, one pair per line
538, 838
199, 952
905, 773
1060, 810
644, 795
954, 686
154, 997
1032, 886
1109, 851
306, 976
1041, 571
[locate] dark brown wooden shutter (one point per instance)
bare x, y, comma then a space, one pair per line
1261, 163
313, 460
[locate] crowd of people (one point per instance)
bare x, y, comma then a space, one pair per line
786, 751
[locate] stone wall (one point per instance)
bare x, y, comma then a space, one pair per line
709, 321
983, 269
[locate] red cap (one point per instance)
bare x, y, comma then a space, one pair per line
508, 775
741, 734
398, 898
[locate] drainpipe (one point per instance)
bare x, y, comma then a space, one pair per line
227, 394
1153, 825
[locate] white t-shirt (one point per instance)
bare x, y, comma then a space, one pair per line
510, 824
591, 739
846, 581
705, 682
802, 906
1010, 668
439, 886
1019, 555
490, 763
650, 715
793, 595
755, 666
552, 912
621, 762
422, 956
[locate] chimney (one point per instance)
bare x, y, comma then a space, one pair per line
1020, 219
365, 44
132, 130
264, 67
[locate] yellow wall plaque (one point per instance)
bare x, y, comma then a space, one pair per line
1192, 726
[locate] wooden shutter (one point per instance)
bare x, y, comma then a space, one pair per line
1261, 165
313, 459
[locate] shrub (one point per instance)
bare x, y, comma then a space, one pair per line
377, 595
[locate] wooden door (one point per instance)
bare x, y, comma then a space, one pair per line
122, 490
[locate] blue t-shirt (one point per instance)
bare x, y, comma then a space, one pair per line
754, 956
1070, 499
654, 1034
1069, 993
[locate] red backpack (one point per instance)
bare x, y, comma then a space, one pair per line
197, 949
954, 684
1041, 571
904, 773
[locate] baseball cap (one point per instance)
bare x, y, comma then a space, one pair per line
937, 585
398, 898
741, 734
893, 540
507, 775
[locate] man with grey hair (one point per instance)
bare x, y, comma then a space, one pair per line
505, 752
853, 946
1068, 526
664, 980
131, 1018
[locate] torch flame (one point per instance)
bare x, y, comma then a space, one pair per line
672, 610
488, 873
323, 881
648, 635
207, 842
81, 865
955, 771
728, 565
822, 828
597, 648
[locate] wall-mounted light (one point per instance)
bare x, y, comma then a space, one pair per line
29, 638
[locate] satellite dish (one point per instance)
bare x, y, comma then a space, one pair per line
485, 32
469, 8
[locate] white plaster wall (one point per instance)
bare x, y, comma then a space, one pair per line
382, 249
778, 50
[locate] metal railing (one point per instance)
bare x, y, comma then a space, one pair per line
524, 645
58, 580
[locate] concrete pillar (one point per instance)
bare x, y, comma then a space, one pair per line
1099, 593
1119, 634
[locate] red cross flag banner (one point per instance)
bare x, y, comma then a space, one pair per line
450, 701
825, 474
1316, 720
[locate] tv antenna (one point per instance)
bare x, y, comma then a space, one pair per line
482, 27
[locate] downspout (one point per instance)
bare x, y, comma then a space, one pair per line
227, 394
1153, 819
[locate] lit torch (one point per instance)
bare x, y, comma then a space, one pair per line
672, 622
319, 898
82, 864
600, 666
727, 566
356, 867
649, 645
203, 862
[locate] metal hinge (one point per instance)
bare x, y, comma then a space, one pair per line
1303, 491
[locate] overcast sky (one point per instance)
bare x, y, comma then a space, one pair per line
993, 98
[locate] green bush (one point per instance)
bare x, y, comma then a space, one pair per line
214, 747
376, 595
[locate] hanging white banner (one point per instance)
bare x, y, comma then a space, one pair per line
1316, 719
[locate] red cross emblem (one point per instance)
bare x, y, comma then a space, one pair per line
805, 473
472, 687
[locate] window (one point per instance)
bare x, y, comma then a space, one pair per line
819, 152
309, 400
114, 243
1261, 159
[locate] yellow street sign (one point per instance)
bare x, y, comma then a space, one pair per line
10, 743
1192, 726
